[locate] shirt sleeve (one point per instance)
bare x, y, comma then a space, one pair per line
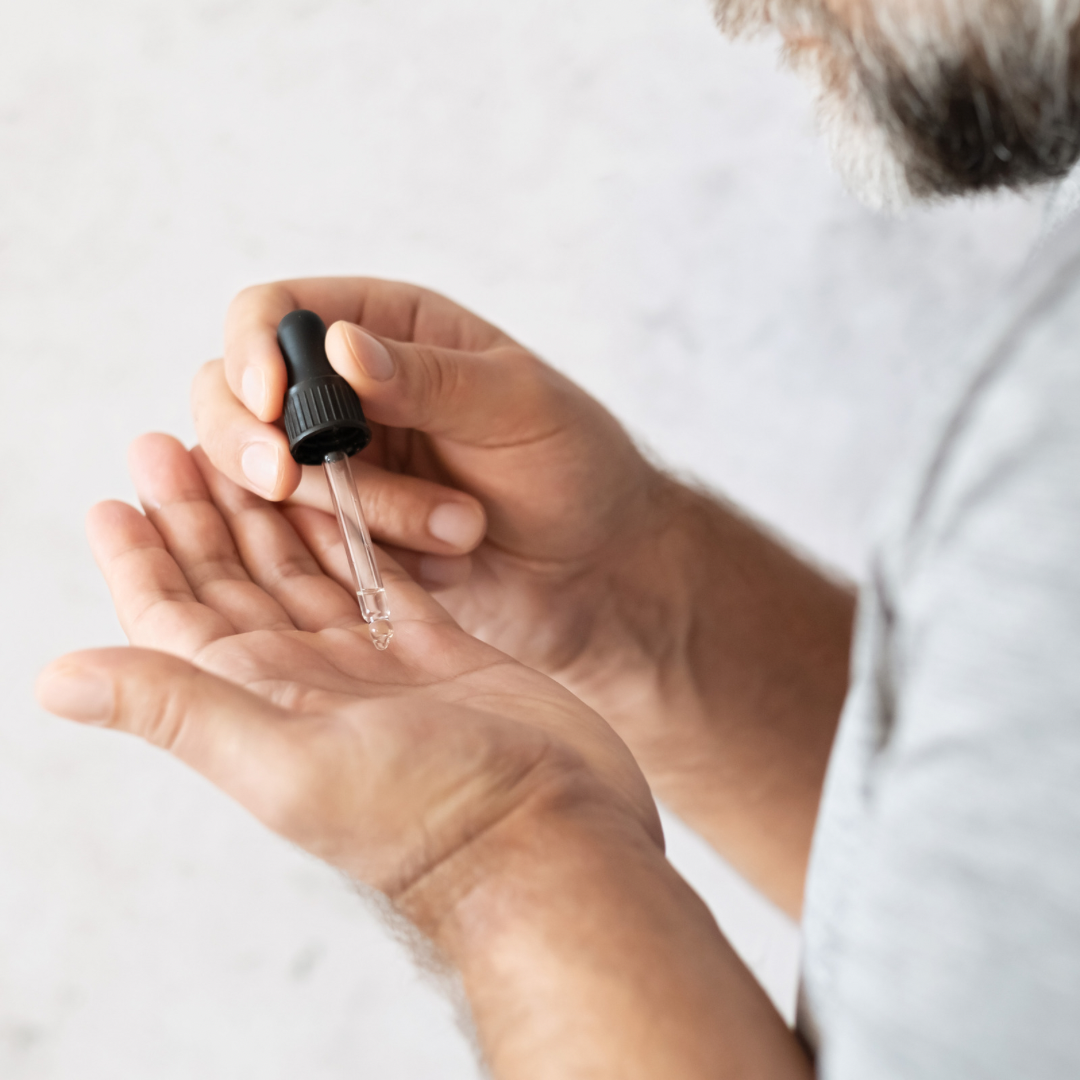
961, 952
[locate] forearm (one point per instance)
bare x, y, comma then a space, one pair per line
585, 955
723, 662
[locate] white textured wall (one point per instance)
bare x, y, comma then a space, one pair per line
641, 202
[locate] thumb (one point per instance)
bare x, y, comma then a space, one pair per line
498, 396
233, 737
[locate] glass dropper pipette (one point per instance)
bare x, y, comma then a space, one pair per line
325, 425
367, 580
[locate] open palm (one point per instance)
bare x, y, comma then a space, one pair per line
386, 764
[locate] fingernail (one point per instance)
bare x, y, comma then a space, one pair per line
370, 354
78, 695
260, 464
456, 524
253, 389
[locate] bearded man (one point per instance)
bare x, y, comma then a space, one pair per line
491, 774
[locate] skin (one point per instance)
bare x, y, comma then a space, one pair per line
717, 655
478, 773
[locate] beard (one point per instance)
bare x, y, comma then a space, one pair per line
924, 99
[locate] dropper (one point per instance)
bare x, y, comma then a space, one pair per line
326, 426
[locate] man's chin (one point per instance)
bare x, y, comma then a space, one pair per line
863, 152
918, 107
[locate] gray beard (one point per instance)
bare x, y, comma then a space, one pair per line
965, 96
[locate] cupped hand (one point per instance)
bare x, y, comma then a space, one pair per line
254, 667
491, 477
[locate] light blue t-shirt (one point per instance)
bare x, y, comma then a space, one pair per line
942, 915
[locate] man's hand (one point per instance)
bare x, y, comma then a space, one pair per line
386, 765
499, 814
716, 654
486, 464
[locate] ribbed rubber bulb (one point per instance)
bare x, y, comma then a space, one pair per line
322, 412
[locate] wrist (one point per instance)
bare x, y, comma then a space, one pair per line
730, 682
499, 881
582, 952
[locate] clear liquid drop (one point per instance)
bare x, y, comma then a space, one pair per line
381, 633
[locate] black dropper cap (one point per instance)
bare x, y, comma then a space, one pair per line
322, 411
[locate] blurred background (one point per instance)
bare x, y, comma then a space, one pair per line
641, 202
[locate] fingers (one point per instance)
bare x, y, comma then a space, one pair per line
253, 364
276, 558
319, 532
234, 560
418, 361
179, 506
499, 397
405, 511
235, 738
250, 452
153, 599
408, 599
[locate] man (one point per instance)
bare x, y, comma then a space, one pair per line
611, 627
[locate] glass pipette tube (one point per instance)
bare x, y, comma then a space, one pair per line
367, 581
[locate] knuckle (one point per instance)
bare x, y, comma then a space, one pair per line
545, 386
248, 306
378, 509
208, 371
441, 380
387, 508
250, 295
527, 366
164, 720
241, 303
